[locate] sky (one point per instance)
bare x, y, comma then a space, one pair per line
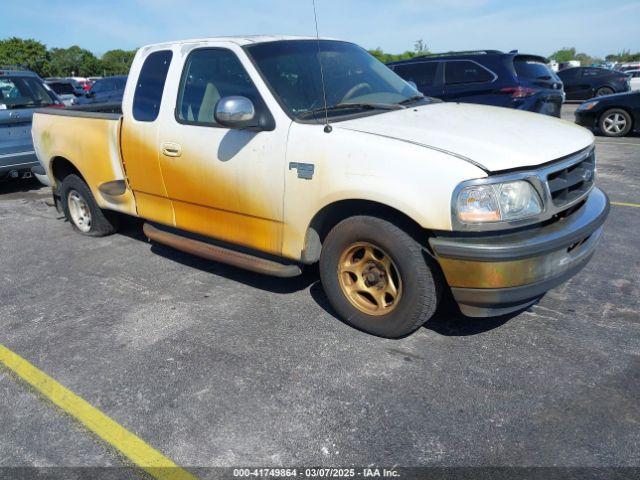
534, 26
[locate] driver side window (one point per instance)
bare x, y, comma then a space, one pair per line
209, 75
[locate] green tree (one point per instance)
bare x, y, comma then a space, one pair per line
74, 61
564, 54
117, 62
27, 53
420, 48
623, 56
586, 60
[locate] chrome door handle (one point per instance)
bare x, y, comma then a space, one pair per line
170, 149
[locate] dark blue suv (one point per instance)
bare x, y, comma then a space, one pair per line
489, 77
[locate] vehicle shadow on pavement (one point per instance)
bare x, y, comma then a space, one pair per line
19, 185
448, 320
132, 228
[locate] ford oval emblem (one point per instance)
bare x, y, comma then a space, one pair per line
587, 175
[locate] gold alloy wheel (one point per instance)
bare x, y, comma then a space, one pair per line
369, 279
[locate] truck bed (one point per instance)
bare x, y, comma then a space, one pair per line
88, 137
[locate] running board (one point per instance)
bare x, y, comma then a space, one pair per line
221, 254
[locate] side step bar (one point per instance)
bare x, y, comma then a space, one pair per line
221, 254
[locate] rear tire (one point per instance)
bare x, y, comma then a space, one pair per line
604, 91
378, 278
615, 122
82, 211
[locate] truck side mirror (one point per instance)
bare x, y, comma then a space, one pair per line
236, 112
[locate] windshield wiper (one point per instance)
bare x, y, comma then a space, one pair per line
352, 106
412, 99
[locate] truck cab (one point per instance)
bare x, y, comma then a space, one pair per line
273, 153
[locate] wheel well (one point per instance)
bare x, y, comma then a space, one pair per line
334, 213
61, 168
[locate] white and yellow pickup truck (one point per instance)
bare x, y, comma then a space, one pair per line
272, 153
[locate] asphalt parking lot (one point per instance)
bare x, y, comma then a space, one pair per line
214, 366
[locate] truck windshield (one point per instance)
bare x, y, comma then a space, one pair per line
354, 80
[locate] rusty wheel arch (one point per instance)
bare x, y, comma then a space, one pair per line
332, 214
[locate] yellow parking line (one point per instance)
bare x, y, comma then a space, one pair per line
129, 445
626, 204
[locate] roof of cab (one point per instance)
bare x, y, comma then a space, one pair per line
239, 40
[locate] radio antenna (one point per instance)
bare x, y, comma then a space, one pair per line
327, 127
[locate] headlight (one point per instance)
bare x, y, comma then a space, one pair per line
497, 202
587, 105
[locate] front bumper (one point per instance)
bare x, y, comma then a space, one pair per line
498, 274
586, 119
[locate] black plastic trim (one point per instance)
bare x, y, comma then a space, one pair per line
95, 112
38, 170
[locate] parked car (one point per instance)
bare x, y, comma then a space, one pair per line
634, 79
613, 115
223, 148
105, 90
625, 67
21, 92
83, 82
67, 90
489, 77
582, 83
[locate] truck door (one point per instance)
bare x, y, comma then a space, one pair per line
139, 137
223, 183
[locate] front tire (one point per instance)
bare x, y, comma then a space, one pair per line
82, 211
615, 122
378, 278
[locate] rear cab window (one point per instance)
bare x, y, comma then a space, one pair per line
150, 86
23, 92
465, 71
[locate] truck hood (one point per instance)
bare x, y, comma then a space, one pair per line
492, 138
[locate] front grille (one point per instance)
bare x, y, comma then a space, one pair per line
572, 182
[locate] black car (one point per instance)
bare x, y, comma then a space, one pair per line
489, 77
613, 115
105, 90
67, 89
582, 83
